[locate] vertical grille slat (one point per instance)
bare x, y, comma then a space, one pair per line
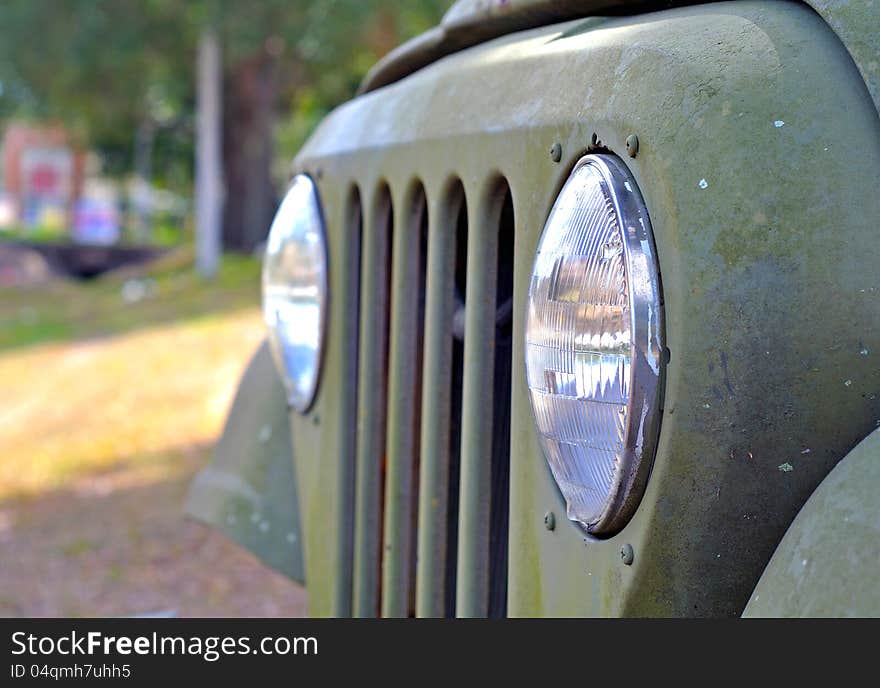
485, 437
372, 401
503, 370
472, 585
404, 403
439, 408
345, 487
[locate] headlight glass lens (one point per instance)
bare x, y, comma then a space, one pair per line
594, 344
295, 290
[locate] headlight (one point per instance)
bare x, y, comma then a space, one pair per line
295, 290
594, 348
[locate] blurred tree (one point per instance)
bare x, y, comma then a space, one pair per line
121, 75
310, 55
103, 67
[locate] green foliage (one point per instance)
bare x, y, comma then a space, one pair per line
307, 110
99, 66
105, 67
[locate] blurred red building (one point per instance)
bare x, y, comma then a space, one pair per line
42, 172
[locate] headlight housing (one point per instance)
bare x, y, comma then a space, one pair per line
594, 347
295, 290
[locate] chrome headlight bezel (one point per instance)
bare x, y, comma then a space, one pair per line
646, 348
299, 218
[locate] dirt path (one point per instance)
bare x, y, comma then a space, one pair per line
99, 439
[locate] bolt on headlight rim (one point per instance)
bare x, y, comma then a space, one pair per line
648, 364
646, 349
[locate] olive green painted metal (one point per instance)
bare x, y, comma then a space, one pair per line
249, 490
436, 407
404, 361
347, 300
323, 438
759, 154
857, 24
469, 22
828, 563
372, 394
472, 579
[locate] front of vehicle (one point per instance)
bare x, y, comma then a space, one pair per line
573, 313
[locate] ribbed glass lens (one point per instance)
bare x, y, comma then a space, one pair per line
593, 277
295, 290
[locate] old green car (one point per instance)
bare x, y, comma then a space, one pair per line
575, 311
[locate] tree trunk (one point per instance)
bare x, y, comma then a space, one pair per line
209, 180
249, 117
144, 141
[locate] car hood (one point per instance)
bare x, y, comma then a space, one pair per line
469, 22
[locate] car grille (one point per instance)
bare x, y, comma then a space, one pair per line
433, 407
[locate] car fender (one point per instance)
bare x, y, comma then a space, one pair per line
828, 563
249, 490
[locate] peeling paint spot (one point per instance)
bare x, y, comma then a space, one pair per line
847, 382
786, 467
864, 351
806, 451
778, 123
265, 433
703, 184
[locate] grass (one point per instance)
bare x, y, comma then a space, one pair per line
108, 407
171, 289
165, 232
34, 234
88, 377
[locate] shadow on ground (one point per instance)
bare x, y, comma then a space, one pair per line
116, 543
